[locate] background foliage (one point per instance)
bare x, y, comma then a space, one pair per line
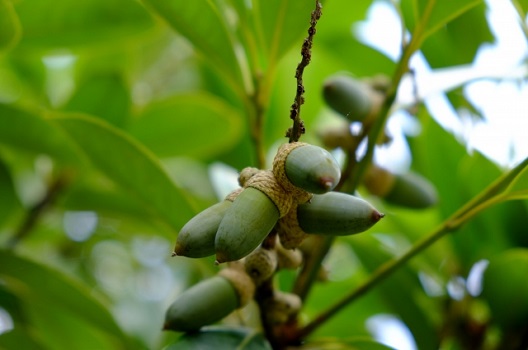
117, 118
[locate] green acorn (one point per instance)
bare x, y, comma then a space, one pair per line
505, 288
203, 304
245, 225
353, 99
409, 190
336, 213
209, 301
197, 237
312, 168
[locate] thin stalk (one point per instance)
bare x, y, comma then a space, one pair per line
295, 113
490, 196
36, 212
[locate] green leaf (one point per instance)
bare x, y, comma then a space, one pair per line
49, 299
428, 16
74, 24
450, 45
28, 131
19, 338
355, 343
105, 96
281, 23
9, 26
9, 202
216, 337
400, 291
129, 165
522, 5
518, 189
201, 22
193, 125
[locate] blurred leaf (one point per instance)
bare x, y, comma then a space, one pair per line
436, 150
20, 338
85, 195
55, 302
459, 102
451, 45
202, 23
435, 13
79, 23
9, 25
9, 202
197, 125
28, 131
281, 24
523, 5
104, 96
518, 189
359, 343
338, 17
401, 291
218, 337
129, 165
505, 289
337, 46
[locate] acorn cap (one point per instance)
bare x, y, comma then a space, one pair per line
261, 264
281, 306
243, 284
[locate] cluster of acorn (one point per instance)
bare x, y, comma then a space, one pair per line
361, 101
295, 199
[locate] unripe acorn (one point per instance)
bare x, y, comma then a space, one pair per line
312, 168
205, 303
409, 190
353, 99
281, 306
336, 213
245, 225
505, 287
197, 237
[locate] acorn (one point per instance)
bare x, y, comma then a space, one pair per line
409, 190
505, 288
311, 168
261, 264
288, 258
339, 136
209, 301
205, 303
338, 214
196, 239
281, 306
245, 225
353, 99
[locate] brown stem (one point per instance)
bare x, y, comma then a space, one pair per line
35, 212
295, 132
